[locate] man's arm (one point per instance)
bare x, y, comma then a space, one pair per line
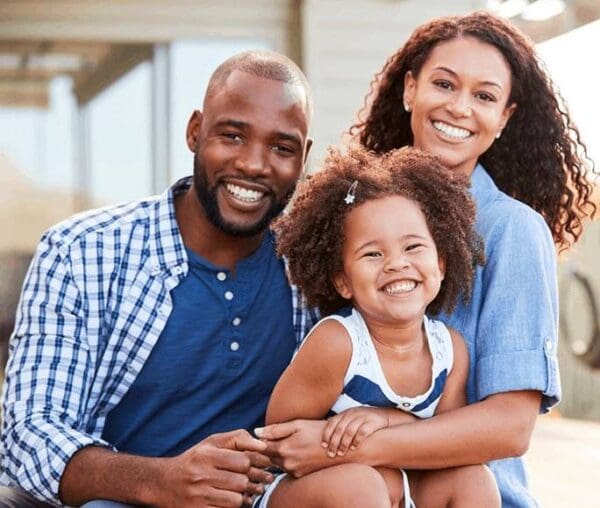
219, 471
48, 372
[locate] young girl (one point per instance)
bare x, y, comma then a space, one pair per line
378, 241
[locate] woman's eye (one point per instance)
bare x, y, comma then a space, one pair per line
443, 84
486, 97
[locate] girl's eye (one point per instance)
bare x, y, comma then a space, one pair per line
372, 254
414, 246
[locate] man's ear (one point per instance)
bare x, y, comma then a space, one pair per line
341, 286
309, 144
193, 130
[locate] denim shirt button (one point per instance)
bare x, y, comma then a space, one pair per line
549, 347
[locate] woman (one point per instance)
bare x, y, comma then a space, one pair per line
471, 90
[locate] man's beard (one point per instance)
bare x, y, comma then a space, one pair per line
209, 201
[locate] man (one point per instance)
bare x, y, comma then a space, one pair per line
149, 332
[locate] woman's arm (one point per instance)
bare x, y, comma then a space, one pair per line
312, 382
495, 428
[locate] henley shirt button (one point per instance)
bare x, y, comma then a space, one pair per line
221, 276
234, 346
549, 347
228, 295
236, 321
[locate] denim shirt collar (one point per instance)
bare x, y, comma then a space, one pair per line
483, 188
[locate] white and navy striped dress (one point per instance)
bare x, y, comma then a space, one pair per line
365, 383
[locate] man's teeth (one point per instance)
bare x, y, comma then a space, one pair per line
396, 288
244, 194
453, 132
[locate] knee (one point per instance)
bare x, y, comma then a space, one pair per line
479, 481
367, 489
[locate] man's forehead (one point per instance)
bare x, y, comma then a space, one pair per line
247, 87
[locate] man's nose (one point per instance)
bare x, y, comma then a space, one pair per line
252, 160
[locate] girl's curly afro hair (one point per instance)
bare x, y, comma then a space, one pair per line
311, 235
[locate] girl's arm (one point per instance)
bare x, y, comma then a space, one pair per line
312, 382
455, 391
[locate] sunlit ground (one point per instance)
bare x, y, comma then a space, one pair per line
564, 463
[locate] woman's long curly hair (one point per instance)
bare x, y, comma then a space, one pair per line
311, 235
539, 159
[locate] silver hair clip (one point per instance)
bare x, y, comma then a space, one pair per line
350, 196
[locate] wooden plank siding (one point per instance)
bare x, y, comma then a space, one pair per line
153, 21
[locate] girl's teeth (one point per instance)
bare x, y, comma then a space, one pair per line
244, 194
400, 287
453, 132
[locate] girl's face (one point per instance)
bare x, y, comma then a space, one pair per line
391, 269
459, 101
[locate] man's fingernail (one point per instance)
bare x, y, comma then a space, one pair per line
330, 453
259, 431
340, 452
353, 447
324, 444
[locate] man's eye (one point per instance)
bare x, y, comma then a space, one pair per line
233, 136
283, 149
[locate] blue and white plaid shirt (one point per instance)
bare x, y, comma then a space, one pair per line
94, 303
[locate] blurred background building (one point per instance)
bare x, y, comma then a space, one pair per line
95, 97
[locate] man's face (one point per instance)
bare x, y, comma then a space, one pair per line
250, 146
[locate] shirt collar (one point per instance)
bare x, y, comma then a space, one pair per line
166, 244
483, 187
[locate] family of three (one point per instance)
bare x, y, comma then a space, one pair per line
413, 281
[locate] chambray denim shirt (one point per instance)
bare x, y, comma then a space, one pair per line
510, 325
95, 301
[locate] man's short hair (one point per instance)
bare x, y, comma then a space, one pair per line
264, 64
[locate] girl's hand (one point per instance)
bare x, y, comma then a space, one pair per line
348, 429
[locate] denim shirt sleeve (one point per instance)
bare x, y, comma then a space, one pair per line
516, 336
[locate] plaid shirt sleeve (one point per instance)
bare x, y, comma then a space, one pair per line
48, 373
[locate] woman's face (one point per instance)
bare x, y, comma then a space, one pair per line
459, 101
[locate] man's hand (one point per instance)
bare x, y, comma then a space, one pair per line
224, 470
345, 431
296, 446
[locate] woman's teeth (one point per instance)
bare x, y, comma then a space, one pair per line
453, 132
